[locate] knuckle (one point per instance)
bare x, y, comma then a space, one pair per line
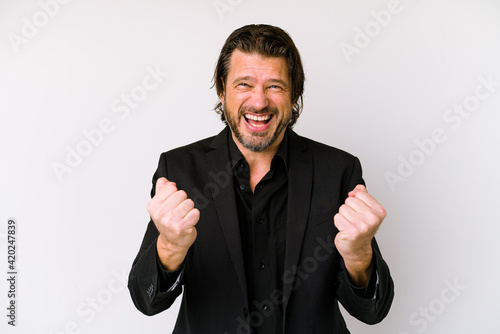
155, 218
372, 218
382, 212
166, 189
182, 194
189, 202
196, 213
192, 217
171, 186
363, 229
154, 213
345, 211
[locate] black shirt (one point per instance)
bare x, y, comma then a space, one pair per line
262, 217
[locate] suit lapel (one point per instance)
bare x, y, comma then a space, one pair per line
299, 202
225, 204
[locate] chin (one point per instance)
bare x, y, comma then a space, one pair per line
257, 141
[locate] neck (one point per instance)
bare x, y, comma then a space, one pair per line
259, 162
263, 158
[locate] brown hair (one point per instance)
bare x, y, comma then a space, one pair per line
268, 41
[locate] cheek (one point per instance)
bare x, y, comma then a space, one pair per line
235, 99
283, 103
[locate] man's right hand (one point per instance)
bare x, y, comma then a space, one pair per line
175, 218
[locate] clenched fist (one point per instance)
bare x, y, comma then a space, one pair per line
175, 217
357, 221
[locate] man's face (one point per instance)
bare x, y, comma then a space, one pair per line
257, 99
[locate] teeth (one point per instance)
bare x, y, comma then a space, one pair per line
258, 118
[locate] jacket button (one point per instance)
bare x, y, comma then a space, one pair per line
245, 312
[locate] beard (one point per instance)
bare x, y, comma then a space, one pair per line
256, 141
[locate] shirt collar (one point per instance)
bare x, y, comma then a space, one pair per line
236, 156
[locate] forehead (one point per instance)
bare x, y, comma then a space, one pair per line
255, 64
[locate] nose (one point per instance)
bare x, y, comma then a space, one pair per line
259, 98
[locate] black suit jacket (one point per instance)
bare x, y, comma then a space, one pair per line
215, 293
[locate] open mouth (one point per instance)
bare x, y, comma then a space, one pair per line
258, 121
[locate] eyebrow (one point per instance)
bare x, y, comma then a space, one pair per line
249, 78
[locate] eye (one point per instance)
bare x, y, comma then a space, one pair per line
243, 84
275, 87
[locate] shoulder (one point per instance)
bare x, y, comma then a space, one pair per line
184, 164
199, 147
321, 151
203, 145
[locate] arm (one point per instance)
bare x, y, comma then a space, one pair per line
149, 282
371, 304
157, 270
362, 264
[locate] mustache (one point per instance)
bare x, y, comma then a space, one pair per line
266, 110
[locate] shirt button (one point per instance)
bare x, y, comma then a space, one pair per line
245, 312
242, 186
265, 307
261, 221
262, 266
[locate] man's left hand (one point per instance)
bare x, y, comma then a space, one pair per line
357, 221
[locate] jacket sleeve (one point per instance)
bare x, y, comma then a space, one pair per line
372, 309
152, 288
373, 306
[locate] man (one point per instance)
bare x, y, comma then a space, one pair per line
265, 230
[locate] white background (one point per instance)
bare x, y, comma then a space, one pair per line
78, 234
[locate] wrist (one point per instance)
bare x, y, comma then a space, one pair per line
359, 268
170, 255
166, 246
